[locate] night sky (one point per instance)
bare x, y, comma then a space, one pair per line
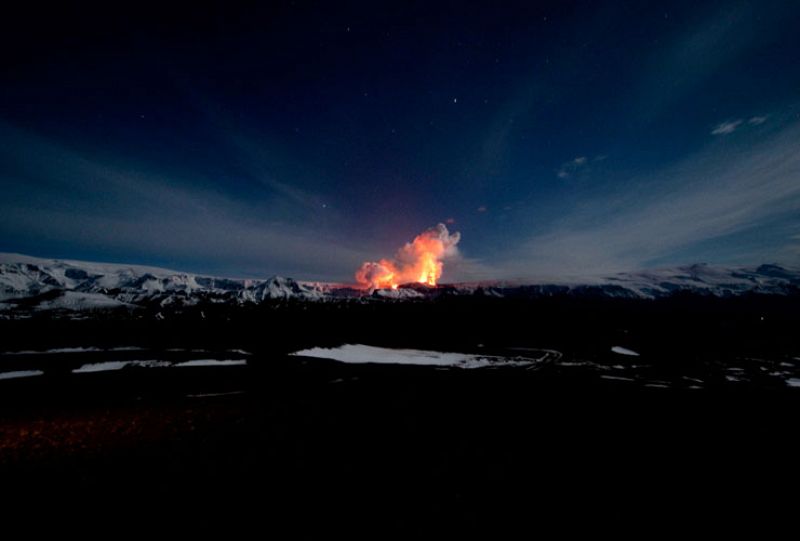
302, 139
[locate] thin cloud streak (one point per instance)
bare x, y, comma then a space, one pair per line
697, 54
55, 193
715, 193
727, 127
571, 167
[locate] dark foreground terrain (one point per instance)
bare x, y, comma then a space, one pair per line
703, 424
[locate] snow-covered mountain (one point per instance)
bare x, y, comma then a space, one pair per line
27, 282
33, 284
699, 279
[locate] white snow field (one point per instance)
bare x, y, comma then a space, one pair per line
362, 354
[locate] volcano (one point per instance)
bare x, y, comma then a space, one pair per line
420, 261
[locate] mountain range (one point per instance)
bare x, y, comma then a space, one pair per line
29, 284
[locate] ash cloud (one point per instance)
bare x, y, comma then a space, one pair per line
420, 260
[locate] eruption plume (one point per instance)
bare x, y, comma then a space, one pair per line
417, 261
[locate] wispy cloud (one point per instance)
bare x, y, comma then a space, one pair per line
730, 126
258, 157
55, 193
727, 127
580, 165
711, 195
708, 44
571, 167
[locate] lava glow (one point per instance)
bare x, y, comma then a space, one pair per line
418, 261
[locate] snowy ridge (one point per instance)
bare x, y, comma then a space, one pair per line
31, 284
51, 284
698, 279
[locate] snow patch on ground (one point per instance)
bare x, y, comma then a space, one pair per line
20, 374
118, 365
212, 362
618, 378
362, 354
213, 395
624, 351
70, 350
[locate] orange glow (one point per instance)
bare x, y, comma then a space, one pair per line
418, 261
431, 269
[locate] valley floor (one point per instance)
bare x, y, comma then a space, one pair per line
575, 413
317, 444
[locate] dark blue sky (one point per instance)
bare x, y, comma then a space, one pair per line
302, 139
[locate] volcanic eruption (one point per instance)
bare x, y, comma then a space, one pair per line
418, 261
